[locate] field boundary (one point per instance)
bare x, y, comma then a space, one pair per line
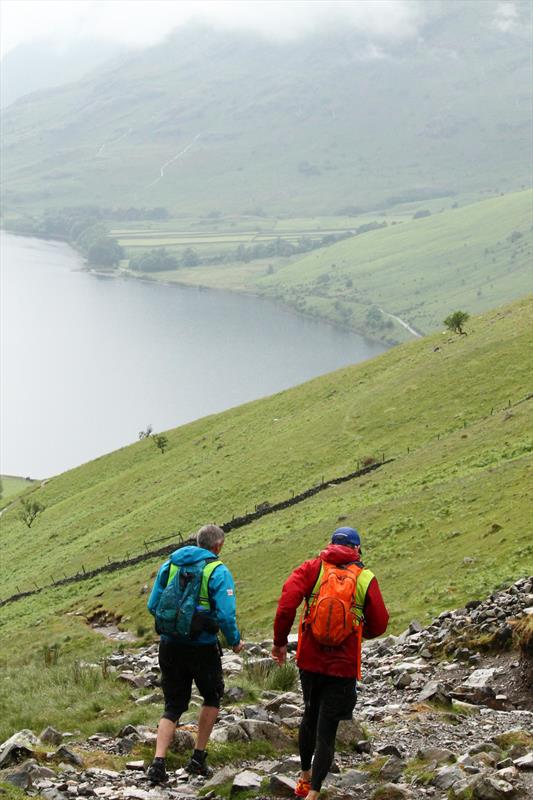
261, 510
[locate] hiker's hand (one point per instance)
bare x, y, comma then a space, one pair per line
238, 647
279, 654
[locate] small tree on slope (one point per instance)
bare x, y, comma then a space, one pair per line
454, 322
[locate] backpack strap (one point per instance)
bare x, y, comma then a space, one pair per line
209, 568
173, 571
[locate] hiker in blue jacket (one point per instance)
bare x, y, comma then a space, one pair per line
195, 655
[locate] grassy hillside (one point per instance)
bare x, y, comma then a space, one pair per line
452, 410
12, 486
474, 257
226, 121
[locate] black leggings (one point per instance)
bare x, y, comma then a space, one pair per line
328, 699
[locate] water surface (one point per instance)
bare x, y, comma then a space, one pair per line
88, 362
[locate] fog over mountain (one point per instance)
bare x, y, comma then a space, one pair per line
212, 119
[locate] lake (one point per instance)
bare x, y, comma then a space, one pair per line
88, 362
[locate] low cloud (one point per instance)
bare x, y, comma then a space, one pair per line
505, 17
144, 22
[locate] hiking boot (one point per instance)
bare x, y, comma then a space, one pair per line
156, 772
302, 788
198, 766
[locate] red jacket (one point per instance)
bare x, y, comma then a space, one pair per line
342, 660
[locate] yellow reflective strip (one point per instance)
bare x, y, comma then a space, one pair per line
204, 586
363, 582
172, 571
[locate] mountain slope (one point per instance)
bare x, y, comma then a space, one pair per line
445, 522
230, 121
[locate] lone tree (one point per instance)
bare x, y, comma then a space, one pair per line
454, 322
30, 511
160, 441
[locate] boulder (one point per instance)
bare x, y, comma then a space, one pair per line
17, 748
480, 678
438, 755
229, 733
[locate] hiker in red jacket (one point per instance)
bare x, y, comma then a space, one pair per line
343, 604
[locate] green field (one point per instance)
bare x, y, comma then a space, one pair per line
473, 257
440, 406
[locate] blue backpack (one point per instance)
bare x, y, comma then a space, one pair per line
183, 608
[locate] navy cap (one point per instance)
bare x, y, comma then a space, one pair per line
346, 536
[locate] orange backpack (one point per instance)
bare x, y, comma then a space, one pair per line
331, 609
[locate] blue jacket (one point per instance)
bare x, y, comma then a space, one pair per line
221, 594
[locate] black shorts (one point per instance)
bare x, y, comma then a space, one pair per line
332, 697
181, 664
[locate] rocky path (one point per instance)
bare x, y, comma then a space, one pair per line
444, 712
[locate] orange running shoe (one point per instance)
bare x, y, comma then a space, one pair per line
302, 788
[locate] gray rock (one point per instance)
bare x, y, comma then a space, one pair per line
435, 692
391, 792
256, 712
234, 694
353, 777
147, 699
363, 746
488, 787
389, 750
220, 777
257, 729
27, 774
282, 786
438, 755
135, 766
287, 698
349, 732
245, 781
446, 777
480, 678
51, 736
525, 762
183, 741
17, 747
392, 769
64, 753
229, 733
